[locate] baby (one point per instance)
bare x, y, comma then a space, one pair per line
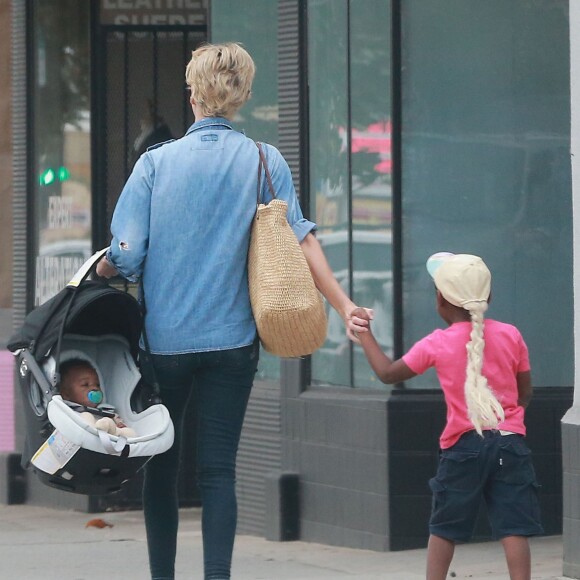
79, 384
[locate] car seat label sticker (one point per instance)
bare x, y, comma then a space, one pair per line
54, 453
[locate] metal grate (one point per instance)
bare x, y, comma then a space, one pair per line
20, 290
145, 100
289, 87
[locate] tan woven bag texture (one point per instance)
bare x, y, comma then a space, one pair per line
288, 308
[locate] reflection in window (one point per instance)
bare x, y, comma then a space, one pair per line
329, 177
61, 164
371, 164
259, 117
486, 168
350, 169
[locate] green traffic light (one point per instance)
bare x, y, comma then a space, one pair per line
47, 177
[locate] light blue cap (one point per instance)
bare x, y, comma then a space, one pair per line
436, 260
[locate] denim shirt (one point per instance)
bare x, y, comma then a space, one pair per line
182, 223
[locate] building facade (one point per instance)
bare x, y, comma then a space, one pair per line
409, 128
571, 421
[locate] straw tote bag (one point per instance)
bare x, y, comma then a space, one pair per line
287, 306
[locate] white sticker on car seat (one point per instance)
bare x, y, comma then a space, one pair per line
54, 453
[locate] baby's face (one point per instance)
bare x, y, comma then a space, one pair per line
80, 382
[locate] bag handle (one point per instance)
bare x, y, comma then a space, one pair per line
263, 163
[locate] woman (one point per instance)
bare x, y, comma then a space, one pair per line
182, 223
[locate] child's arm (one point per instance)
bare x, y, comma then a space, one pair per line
387, 371
524, 381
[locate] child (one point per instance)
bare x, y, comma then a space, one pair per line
80, 385
483, 453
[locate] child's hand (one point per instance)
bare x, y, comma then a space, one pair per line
358, 321
119, 422
364, 313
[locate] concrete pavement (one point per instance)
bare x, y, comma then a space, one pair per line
49, 544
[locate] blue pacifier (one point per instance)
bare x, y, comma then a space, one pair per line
95, 397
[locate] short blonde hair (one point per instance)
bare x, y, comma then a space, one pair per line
220, 78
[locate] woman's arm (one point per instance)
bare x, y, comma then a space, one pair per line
331, 289
321, 271
524, 380
130, 225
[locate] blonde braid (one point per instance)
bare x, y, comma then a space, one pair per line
483, 409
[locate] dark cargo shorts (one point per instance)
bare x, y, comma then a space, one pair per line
496, 468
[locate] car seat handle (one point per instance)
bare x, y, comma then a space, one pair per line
31, 365
86, 269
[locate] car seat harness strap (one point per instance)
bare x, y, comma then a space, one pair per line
113, 448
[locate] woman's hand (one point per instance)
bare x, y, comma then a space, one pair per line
105, 269
358, 321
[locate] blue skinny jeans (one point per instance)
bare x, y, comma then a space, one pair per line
218, 384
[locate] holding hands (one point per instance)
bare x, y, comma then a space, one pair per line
358, 321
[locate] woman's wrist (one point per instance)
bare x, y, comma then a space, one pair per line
347, 310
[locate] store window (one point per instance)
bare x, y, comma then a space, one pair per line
255, 28
61, 153
349, 80
486, 167
144, 98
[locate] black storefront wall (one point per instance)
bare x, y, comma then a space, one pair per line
335, 440
415, 421
544, 436
364, 461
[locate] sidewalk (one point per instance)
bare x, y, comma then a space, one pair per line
48, 544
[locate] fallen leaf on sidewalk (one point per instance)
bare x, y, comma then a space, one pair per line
98, 523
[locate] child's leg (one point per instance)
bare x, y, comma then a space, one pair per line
518, 558
439, 556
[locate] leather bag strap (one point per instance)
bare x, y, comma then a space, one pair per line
264, 164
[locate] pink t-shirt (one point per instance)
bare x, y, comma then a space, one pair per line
505, 354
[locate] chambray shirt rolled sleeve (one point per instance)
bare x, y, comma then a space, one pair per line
302, 228
284, 187
130, 224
